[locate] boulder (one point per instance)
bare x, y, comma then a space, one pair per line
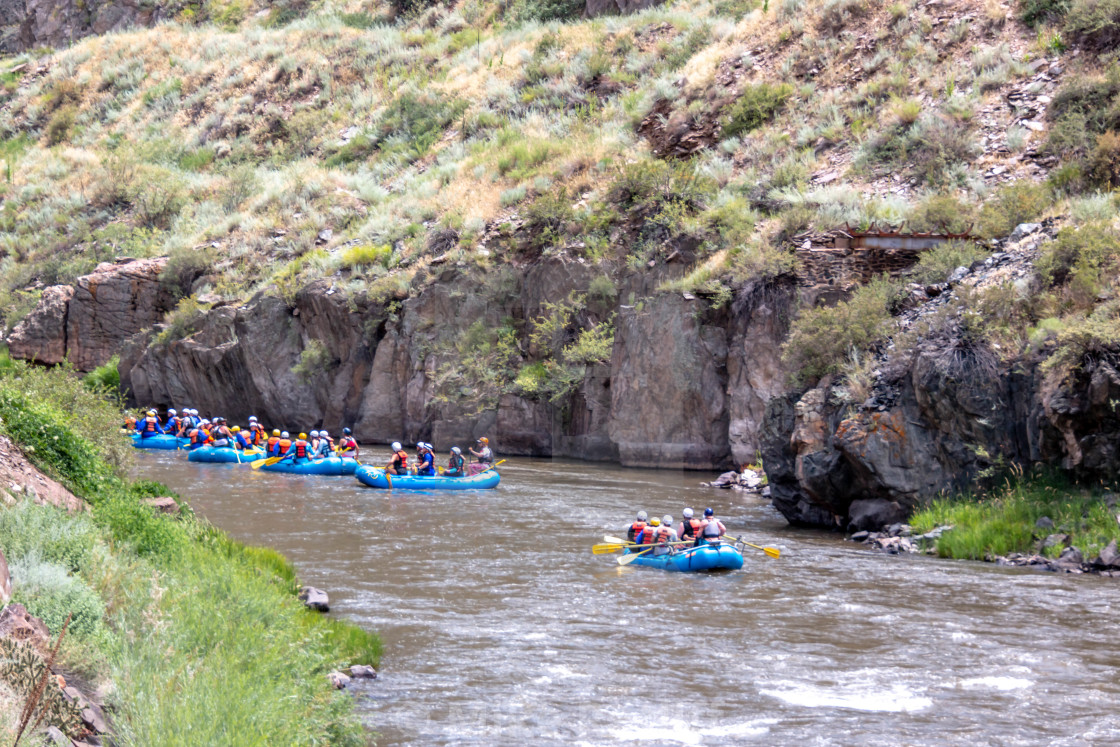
41, 336
94, 720
1109, 557
59, 23
315, 599
1044, 522
164, 504
55, 736
5, 581
1023, 230
873, 513
19, 625
363, 671
726, 480
1054, 540
338, 680
20, 477
1071, 555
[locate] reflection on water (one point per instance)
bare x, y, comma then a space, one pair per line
501, 627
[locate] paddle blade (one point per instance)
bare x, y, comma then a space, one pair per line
631, 557
605, 549
262, 462
616, 540
772, 552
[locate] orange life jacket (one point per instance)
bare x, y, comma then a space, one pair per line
150, 424
285, 444
691, 528
257, 434
400, 458
662, 533
130, 422
272, 442
635, 532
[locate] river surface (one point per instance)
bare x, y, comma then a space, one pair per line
501, 627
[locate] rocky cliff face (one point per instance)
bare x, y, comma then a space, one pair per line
684, 387
86, 323
57, 23
617, 7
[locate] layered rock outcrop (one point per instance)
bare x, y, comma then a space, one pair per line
86, 324
682, 389
57, 23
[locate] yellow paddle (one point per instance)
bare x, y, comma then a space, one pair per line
262, 462
492, 466
631, 557
771, 551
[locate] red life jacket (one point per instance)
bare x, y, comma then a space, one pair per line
301, 449
348, 446
691, 528
400, 459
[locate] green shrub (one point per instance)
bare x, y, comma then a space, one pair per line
182, 321
836, 14
105, 378
936, 264
821, 339
419, 117
1021, 202
58, 129
1094, 23
1103, 164
314, 359
184, 266
367, 255
757, 104
545, 218
1092, 248
932, 146
49, 592
412, 7
1088, 103
360, 21
548, 10
1036, 12
49, 532
942, 213
1081, 340
602, 290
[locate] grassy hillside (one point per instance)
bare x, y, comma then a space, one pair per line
359, 142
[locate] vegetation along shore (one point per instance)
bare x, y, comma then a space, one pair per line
177, 634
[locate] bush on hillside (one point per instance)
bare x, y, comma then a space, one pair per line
936, 264
105, 378
822, 339
941, 213
1103, 164
932, 146
1017, 203
548, 10
1094, 24
28, 527
50, 593
1037, 12
836, 14
184, 266
756, 105
1084, 106
58, 129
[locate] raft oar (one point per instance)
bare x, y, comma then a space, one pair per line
771, 551
492, 466
631, 557
262, 462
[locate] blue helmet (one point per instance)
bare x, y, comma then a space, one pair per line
709, 512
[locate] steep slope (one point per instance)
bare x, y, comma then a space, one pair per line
577, 236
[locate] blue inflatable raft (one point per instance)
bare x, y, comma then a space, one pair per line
703, 558
223, 455
160, 441
375, 478
328, 466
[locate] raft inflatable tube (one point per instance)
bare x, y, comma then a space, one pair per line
160, 441
223, 455
375, 478
694, 559
329, 466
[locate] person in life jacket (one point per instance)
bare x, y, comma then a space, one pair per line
711, 528
484, 455
273, 445
398, 463
328, 448
456, 465
347, 446
150, 426
130, 421
195, 419
257, 435
299, 451
647, 535
689, 528
198, 436
425, 460
313, 444
220, 434
172, 423
284, 444
664, 536
635, 530
241, 441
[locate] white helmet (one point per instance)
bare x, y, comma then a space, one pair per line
323, 434
456, 450
642, 516
172, 412
396, 446
252, 418
667, 520
284, 435
688, 513
314, 434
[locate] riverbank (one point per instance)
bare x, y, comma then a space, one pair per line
181, 634
1041, 520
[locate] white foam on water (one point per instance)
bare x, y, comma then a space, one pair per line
896, 700
996, 683
534, 637
563, 672
680, 732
